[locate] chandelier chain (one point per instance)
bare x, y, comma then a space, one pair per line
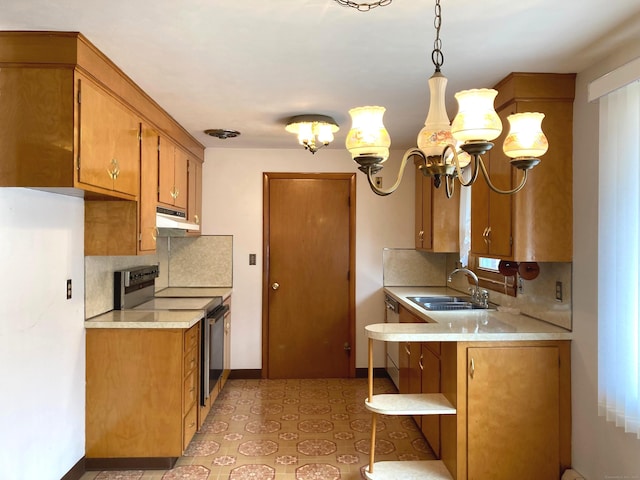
437, 57
364, 7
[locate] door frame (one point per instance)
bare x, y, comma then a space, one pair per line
267, 176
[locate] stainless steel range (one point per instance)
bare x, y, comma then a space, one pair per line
134, 289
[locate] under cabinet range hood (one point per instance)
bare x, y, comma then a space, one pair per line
168, 220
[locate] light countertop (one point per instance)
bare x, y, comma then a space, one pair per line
223, 292
145, 319
461, 325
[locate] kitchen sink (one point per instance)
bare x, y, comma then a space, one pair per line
445, 302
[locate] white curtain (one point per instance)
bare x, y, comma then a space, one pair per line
619, 258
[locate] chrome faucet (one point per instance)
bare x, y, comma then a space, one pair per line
479, 295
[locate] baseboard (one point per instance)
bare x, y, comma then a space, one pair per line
377, 373
245, 374
248, 374
76, 471
150, 463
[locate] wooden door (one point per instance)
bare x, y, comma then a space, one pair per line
309, 277
513, 424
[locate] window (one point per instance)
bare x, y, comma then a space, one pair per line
619, 257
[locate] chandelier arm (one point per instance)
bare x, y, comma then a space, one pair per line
449, 186
384, 192
456, 162
485, 174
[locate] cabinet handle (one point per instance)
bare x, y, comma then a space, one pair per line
472, 368
174, 192
407, 350
115, 169
155, 234
197, 219
420, 364
488, 234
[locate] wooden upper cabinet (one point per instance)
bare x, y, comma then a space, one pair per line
437, 217
173, 183
535, 224
108, 141
194, 203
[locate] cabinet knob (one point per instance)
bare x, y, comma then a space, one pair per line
275, 285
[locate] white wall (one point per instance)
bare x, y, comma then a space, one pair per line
42, 360
232, 205
600, 451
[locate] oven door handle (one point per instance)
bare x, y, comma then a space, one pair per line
218, 313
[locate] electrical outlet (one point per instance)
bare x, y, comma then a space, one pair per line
252, 259
378, 182
68, 289
559, 291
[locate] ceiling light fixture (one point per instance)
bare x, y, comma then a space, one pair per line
364, 7
314, 131
445, 149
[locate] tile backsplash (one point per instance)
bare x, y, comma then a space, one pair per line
536, 298
204, 261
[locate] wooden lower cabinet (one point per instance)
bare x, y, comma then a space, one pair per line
141, 395
513, 410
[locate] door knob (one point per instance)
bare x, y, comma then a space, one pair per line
347, 347
275, 285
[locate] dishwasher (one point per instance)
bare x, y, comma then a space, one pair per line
392, 349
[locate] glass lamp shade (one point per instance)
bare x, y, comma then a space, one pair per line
305, 133
525, 138
436, 133
325, 133
368, 137
476, 120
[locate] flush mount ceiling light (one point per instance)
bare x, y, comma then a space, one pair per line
314, 131
445, 149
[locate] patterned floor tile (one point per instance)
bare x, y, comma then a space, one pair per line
309, 429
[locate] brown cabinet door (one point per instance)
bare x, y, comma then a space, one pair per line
148, 189
437, 218
513, 415
194, 187
108, 144
173, 176
491, 229
180, 179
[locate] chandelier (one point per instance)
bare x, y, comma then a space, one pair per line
445, 149
313, 131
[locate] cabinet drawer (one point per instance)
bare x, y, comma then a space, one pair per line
190, 426
190, 390
191, 337
190, 361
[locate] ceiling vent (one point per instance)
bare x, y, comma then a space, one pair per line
222, 133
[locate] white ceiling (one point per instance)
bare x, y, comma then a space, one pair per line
248, 65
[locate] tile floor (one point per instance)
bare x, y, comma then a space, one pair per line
289, 430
